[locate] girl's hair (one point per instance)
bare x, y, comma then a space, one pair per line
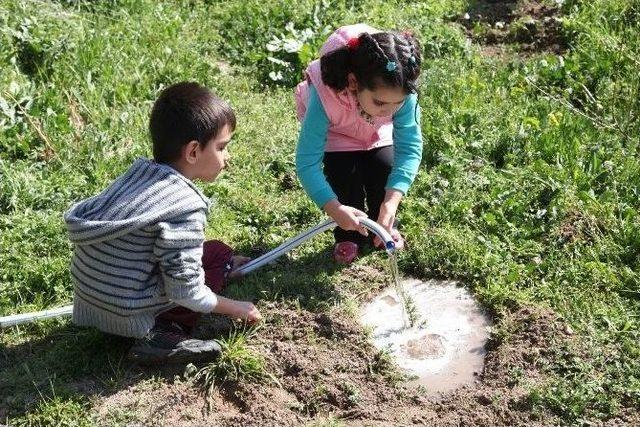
388, 58
186, 112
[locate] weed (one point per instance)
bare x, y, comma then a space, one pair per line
351, 391
409, 309
236, 363
57, 411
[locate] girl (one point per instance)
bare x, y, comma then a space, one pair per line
361, 122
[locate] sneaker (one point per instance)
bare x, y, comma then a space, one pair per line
345, 252
168, 343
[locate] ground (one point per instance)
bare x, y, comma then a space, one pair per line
325, 368
534, 26
527, 195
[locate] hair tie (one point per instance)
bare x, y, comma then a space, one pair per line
412, 59
391, 66
353, 44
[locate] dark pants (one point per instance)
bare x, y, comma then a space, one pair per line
356, 177
216, 262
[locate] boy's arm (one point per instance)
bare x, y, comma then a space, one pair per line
178, 249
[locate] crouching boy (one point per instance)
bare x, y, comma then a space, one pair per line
141, 267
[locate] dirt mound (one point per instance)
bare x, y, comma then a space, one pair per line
534, 26
326, 367
514, 361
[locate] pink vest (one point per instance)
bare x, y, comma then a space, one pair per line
348, 130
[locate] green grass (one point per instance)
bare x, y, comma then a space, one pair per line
57, 411
529, 189
237, 362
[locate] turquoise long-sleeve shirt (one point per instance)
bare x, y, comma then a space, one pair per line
407, 148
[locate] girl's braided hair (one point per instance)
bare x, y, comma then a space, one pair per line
387, 58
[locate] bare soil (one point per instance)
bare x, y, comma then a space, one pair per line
327, 368
531, 26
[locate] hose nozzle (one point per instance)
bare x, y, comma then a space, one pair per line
390, 246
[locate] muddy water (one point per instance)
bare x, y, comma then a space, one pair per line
445, 347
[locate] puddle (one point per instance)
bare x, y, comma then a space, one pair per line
445, 349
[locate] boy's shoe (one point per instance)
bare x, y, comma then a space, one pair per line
168, 343
345, 252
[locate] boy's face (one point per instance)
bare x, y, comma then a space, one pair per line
214, 157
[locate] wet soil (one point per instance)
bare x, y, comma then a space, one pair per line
428, 347
326, 367
445, 347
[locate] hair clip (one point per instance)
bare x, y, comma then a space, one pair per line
391, 66
412, 59
353, 44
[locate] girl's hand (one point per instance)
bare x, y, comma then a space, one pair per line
387, 214
346, 217
237, 261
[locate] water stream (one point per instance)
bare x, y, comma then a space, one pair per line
407, 306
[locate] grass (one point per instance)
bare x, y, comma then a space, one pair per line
328, 422
57, 411
236, 363
528, 192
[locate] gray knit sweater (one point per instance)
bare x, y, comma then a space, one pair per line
138, 250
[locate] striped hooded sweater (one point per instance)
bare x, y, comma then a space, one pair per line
138, 250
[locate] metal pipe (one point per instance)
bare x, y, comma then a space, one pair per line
17, 319
374, 227
296, 241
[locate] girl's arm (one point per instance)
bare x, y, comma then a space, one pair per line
310, 151
407, 145
309, 155
407, 149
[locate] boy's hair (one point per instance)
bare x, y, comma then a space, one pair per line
186, 112
370, 58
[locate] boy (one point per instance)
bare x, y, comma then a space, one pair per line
140, 265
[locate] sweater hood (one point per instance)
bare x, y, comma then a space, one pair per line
146, 194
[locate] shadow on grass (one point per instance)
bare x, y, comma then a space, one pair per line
304, 280
62, 361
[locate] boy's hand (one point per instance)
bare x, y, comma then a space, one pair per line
237, 262
237, 309
345, 216
246, 311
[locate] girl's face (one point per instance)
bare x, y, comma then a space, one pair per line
383, 101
